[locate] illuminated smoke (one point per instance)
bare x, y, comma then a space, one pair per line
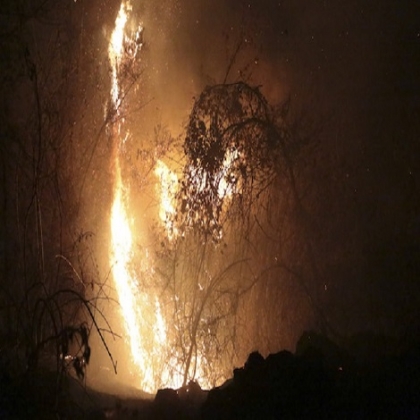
156, 358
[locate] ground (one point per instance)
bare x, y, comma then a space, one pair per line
320, 380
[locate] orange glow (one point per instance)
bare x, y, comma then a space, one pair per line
135, 308
115, 50
169, 183
226, 189
149, 328
125, 283
168, 188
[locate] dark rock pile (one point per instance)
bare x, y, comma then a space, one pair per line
319, 381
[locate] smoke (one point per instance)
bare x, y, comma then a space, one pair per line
189, 45
349, 65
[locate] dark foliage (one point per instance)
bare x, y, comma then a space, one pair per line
81, 357
234, 141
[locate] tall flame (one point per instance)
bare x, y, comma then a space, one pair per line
154, 361
121, 238
132, 308
115, 50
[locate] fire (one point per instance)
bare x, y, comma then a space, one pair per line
125, 283
168, 189
155, 361
224, 180
169, 184
136, 310
225, 188
115, 50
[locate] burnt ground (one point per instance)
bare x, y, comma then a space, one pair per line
372, 378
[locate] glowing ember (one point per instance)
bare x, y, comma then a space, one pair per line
168, 190
226, 189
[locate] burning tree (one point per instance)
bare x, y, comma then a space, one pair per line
228, 227
192, 300
232, 146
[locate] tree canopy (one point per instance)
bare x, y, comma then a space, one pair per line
233, 143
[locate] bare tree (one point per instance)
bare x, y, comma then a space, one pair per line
51, 288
